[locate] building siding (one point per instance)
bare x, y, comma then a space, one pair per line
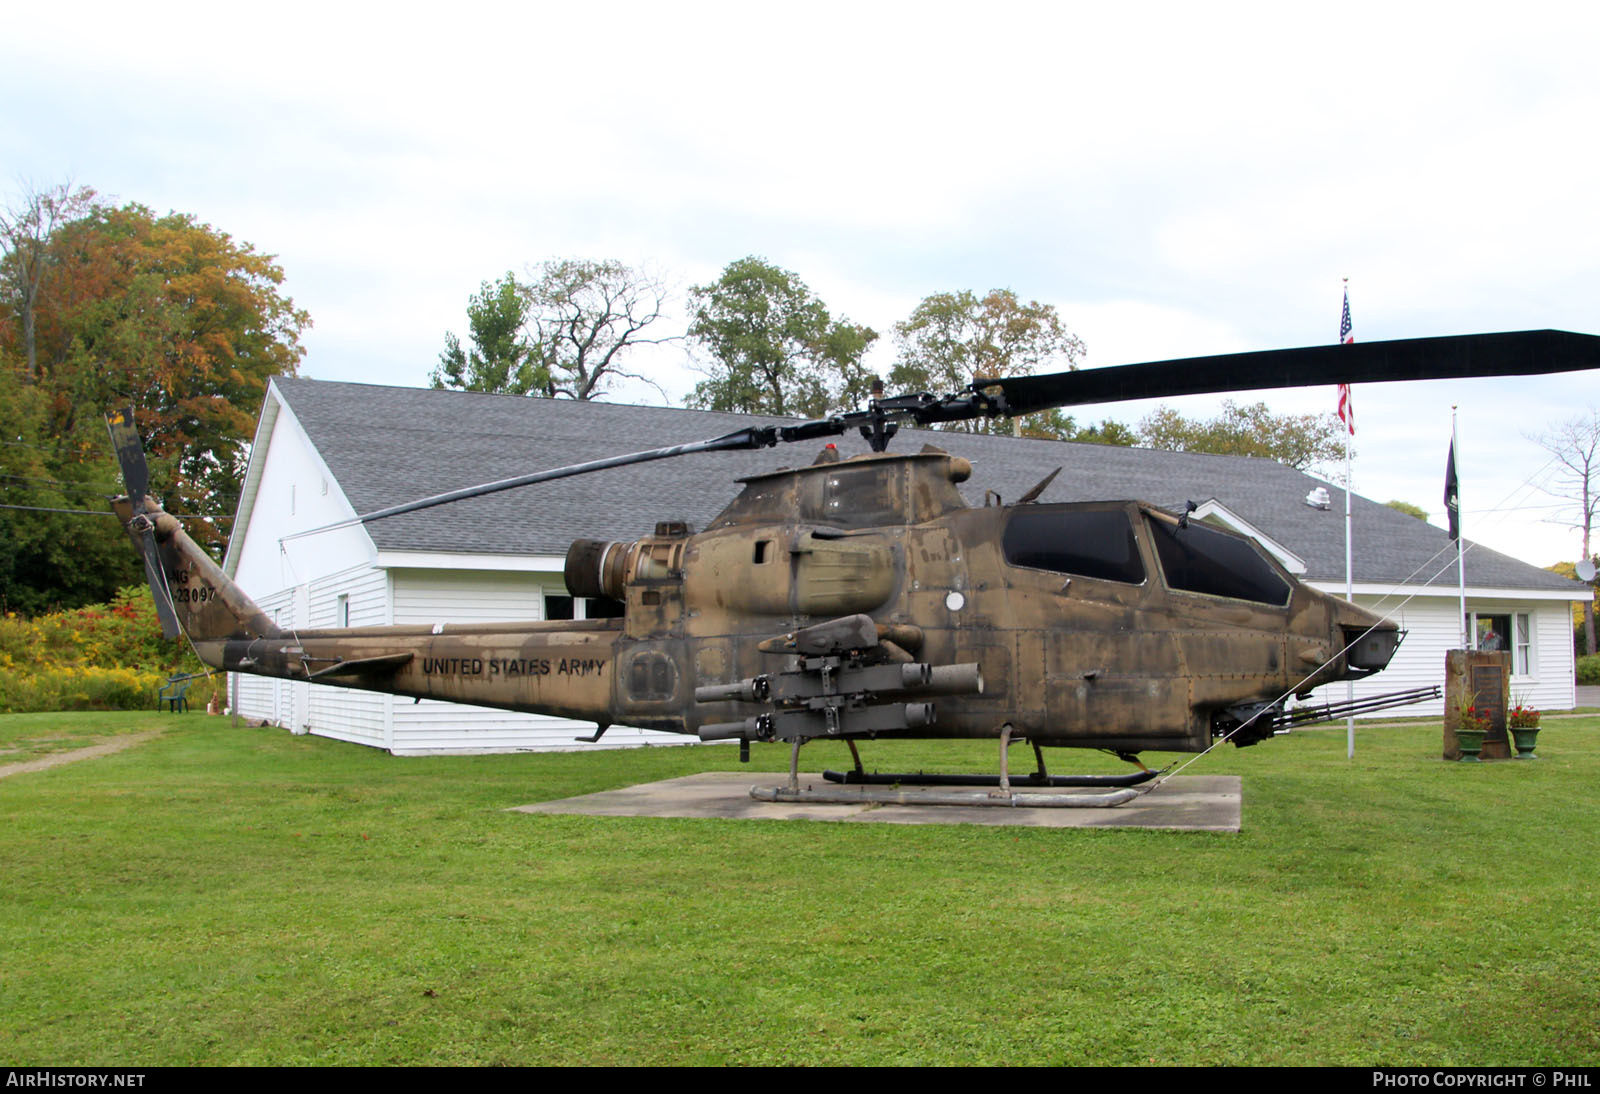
1432, 629
345, 713
446, 596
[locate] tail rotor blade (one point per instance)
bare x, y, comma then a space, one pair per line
160, 591
130, 455
136, 477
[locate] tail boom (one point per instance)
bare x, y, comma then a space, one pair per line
208, 605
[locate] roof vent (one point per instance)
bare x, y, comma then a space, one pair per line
1319, 499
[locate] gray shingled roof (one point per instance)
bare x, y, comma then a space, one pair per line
387, 445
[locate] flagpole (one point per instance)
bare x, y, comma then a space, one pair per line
1350, 596
1347, 335
1461, 567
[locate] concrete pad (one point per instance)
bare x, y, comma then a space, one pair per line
1207, 803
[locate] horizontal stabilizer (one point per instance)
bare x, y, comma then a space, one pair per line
366, 666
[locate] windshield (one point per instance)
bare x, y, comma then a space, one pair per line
1200, 559
1087, 542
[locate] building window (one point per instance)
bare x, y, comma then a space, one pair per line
1511, 631
341, 613
558, 606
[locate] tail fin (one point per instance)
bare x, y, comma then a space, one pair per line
187, 584
191, 592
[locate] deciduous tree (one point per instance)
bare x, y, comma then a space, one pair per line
586, 316
954, 338
59, 544
1408, 509
180, 321
25, 254
774, 347
163, 313
1303, 441
566, 331
1575, 444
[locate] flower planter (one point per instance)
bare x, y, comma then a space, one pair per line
1470, 742
1525, 737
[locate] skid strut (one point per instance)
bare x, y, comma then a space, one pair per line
860, 788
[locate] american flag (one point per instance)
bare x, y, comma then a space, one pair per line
1347, 413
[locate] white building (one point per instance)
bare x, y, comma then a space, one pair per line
326, 451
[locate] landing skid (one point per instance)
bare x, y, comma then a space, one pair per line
882, 789
885, 796
923, 778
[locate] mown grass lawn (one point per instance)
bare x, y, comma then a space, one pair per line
238, 896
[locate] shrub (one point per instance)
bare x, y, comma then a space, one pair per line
1589, 669
78, 688
101, 657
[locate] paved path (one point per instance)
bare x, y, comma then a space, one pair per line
1588, 696
56, 759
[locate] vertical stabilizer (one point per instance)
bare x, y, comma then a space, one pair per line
202, 600
191, 592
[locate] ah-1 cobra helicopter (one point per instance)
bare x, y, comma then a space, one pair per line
864, 597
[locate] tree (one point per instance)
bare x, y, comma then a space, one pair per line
1575, 444
952, 339
25, 233
177, 319
1580, 610
775, 349
566, 331
1408, 509
60, 546
159, 312
501, 360
1303, 441
1058, 425
587, 315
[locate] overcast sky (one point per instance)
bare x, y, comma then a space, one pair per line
1175, 179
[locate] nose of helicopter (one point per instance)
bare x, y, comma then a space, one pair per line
1368, 639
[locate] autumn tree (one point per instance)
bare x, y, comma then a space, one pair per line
180, 321
1575, 444
1303, 441
954, 338
163, 313
566, 331
25, 255
774, 346
500, 359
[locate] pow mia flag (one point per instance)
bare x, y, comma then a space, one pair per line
1452, 493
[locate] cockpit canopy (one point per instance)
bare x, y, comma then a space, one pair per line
1101, 541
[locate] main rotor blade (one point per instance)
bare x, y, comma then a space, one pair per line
1517, 353
1512, 353
740, 439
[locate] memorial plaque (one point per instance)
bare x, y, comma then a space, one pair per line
1482, 677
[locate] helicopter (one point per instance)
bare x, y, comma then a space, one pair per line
860, 598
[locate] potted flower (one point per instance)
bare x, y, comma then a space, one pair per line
1523, 722
1471, 726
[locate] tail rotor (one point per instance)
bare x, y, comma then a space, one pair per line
136, 477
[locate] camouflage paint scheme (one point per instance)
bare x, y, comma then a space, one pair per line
1066, 659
